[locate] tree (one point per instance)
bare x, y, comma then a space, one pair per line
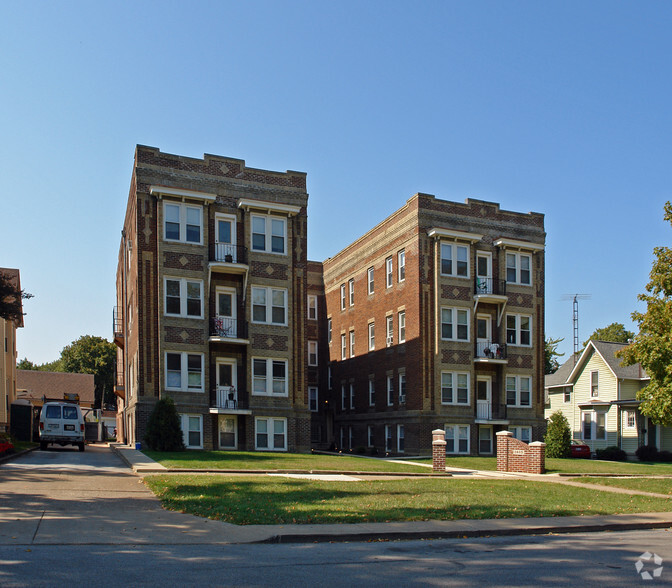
615, 332
558, 437
11, 308
652, 346
551, 364
26, 364
92, 355
164, 432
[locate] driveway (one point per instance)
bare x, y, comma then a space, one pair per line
62, 496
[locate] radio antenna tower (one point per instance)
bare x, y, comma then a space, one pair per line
575, 318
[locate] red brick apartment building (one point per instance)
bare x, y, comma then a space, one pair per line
433, 319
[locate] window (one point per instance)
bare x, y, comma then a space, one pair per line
342, 296
401, 265
454, 260
184, 297
457, 438
369, 436
352, 344
182, 222
455, 324
269, 305
343, 347
567, 394
388, 272
312, 353
454, 388
192, 430
400, 438
329, 377
351, 291
518, 390
370, 280
600, 425
228, 432
523, 434
312, 307
350, 438
372, 336
388, 438
269, 234
312, 399
587, 425
630, 419
184, 371
402, 388
372, 393
518, 268
594, 384
402, 326
389, 330
342, 399
390, 390
329, 330
269, 377
352, 395
270, 434
519, 330
485, 439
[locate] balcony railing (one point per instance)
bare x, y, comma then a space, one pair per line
490, 350
228, 253
228, 328
487, 411
226, 397
117, 323
492, 286
119, 372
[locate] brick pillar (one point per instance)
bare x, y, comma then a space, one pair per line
503, 438
439, 450
537, 463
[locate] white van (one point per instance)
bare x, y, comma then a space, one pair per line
61, 423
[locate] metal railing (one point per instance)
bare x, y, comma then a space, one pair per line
490, 350
228, 253
488, 411
117, 323
227, 397
484, 286
228, 328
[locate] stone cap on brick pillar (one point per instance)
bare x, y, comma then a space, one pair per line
438, 437
504, 434
537, 444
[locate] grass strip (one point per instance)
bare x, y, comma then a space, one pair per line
270, 500
658, 486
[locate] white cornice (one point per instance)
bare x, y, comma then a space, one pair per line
181, 193
288, 209
439, 233
516, 244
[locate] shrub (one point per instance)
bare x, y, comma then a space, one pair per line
164, 432
665, 456
647, 453
611, 453
558, 436
360, 450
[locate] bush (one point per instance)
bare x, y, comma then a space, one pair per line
558, 437
665, 456
647, 453
164, 432
611, 453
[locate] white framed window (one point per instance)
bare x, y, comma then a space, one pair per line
312, 307
192, 430
352, 395
228, 432
183, 223
269, 377
567, 394
342, 399
454, 260
184, 371
342, 437
370, 280
594, 384
342, 296
519, 330
630, 419
312, 353
485, 439
401, 265
269, 234
270, 433
390, 390
269, 305
519, 391
402, 387
454, 388
183, 297
402, 326
312, 398
352, 343
600, 425
389, 330
523, 434
372, 336
594, 425
350, 438
519, 268
370, 439
351, 291
388, 438
455, 324
372, 392
457, 439
388, 272
400, 438
329, 330
344, 350
329, 378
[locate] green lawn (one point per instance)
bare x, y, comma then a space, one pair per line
270, 500
657, 485
256, 460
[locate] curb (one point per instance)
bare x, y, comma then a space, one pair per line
11, 456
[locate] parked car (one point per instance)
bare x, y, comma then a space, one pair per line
579, 449
61, 423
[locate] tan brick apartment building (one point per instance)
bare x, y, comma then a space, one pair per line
433, 319
8, 355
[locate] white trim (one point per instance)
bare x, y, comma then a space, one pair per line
516, 244
268, 207
455, 428
184, 425
270, 434
438, 233
160, 191
269, 377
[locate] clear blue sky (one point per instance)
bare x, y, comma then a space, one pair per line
561, 108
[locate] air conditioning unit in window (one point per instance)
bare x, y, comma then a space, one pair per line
402, 399
390, 340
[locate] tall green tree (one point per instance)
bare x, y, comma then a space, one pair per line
551, 354
652, 346
615, 332
11, 307
92, 355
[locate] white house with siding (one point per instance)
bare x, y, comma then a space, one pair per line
599, 398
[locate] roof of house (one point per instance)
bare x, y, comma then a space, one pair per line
33, 385
15, 279
559, 377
